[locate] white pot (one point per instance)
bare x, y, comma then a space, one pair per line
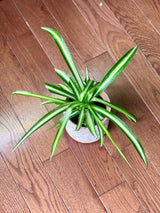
84, 135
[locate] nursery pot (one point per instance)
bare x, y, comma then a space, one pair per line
84, 135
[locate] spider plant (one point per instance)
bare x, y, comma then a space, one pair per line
81, 98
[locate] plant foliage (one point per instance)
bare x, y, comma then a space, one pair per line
81, 97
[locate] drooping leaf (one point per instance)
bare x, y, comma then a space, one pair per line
125, 129
58, 110
62, 126
54, 89
66, 55
129, 115
60, 130
47, 102
103, 128
115, 71
101, 134
25, 93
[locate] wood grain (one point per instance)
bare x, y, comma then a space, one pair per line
114, 200
117, 42
142, 33
40, 18
97, 164
25, 166
70, 180
81, 35
144, 181
36, 64
11, 22
122, 93
151, 10
29, 110
10, 198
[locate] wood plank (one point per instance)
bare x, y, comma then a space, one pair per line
28, 109
97, 164
10, 197
76, 28
25, 165
42, 17
117, 42
143, 181
151, 10
123, 94
121, 200
142, 32
11, 22
70, 180
36, 64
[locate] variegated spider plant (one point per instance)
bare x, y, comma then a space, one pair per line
81, 98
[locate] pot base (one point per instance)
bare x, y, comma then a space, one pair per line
83, 135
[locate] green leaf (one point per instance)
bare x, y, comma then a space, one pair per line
90, 123
46, 118
86, 69
60, 130
89, 84
58, 91
65, 87
100, 130
75, 89
115, 71
129, 115
70, 82
25, 93
66, 54
47, 102
103, 128
63, 75
63, 122
125, 129
73, 114
80, 119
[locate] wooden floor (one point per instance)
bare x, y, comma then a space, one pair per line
79, 178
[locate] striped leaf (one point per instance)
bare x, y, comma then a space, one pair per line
65, 87
115, 71
129, 115
60, 131
89, 84
54, 89
80, 119
70, 82
103, 128
125, 129
66, 55
53, 100
58, 110
90, 123
75, 89
63, 123
87, 77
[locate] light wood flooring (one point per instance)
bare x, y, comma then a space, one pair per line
80, 178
